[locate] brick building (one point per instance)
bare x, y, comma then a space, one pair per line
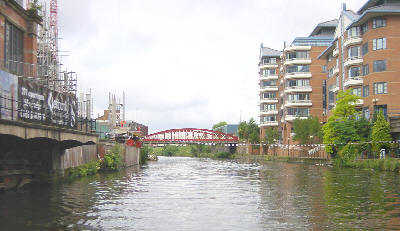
360, 50
18, 38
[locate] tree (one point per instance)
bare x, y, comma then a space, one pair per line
306, 131
218, 126
340, 128
380, 133
271, 137
249, 131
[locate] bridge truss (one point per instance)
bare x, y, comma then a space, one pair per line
190, 135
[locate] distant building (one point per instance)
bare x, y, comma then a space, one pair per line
231, 129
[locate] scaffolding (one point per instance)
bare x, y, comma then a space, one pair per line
48, 58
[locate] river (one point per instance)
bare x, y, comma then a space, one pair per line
178, 193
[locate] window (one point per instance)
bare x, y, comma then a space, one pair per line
298, 111
378, 22
366, 113
365, 69
383, 108
298, 55
268, 72
268, 118
365, 91
365, 48
330, 73
14, 49
324, 68
269, 95
269, 60
380, 88
270, 107
379, 44
269, 83
357, 91
298, 68
297, 97
353, 32
298, 83
354, 72
354, 52
364, 28
379, 65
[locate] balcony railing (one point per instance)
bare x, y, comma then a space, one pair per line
353, 40
354, 60
303, 102
298, 88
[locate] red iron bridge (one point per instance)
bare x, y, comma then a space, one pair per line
190, 136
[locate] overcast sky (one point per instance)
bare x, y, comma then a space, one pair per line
181, 63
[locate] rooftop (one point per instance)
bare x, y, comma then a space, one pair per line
268, 52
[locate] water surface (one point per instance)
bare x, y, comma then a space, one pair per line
179, 193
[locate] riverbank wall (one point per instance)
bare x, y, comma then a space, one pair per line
292, 151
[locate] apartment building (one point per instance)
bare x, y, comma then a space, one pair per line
269, 71
359, 51
300, 75
365, 56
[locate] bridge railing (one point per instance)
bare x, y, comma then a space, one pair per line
11, 109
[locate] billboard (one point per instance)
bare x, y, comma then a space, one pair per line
8, 96
40, 104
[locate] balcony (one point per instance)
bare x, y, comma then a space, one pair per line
268, 88
269, 77
335, 52
335, 89
335, 71
268, 124
297, 48
353, 61
353, 81
268, 65
269, 100
360, 102
353, 41
268, 112
293, 117
298, 75
298, 89
297, 61
292, 103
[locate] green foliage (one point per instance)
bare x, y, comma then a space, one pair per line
249, 131
89, 168
218, 126
113, 159
35, 6
198, 149
307, 131
380, 133
144, 154
341, 126
169, 150
222, 155
271, 135
389, 164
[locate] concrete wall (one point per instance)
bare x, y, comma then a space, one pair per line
74, 157
131, 156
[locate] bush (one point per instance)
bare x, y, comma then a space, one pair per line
87, 169
113, 159
169, 150
144, 154
222, 155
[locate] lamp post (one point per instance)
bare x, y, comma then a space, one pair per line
288, 146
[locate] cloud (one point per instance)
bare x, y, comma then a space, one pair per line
181, 63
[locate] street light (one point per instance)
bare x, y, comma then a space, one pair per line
288, 147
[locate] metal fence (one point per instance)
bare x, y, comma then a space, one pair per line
11, 109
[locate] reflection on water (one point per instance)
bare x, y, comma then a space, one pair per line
202, 194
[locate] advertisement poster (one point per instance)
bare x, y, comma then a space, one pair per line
50, 107
8, 96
